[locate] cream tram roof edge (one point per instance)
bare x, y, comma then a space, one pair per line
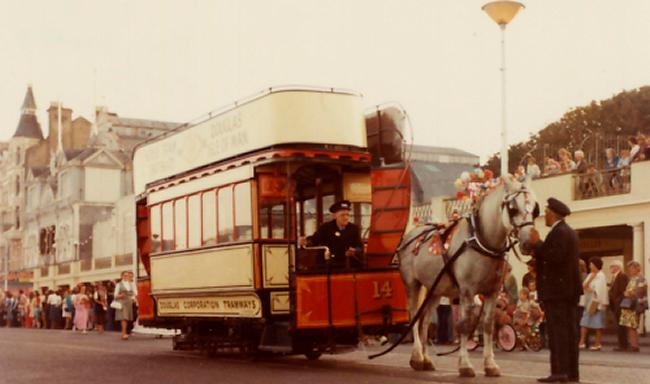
282, 115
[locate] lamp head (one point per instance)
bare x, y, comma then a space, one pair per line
502, 12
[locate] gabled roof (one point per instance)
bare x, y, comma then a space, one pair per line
28, 126
435, 179
441, 150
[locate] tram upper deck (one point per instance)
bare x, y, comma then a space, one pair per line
272, 118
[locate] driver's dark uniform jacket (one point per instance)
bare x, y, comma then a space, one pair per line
338, 240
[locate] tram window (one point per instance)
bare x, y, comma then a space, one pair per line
328, 201
225, 215
278, 222
310, 216
194, 221
361, 216
180, 220
167, 226
154, 219
209, 218
273, 216
243, 211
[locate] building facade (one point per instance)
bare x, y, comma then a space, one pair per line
67, 205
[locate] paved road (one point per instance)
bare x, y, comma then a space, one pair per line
37, 356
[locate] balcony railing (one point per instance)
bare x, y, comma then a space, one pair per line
600, 183
462, 207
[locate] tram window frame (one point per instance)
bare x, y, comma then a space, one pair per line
194, 220
167, 226
180, 223
226, 204
268, 220
212, 211
244, 201
206, 207
155, 219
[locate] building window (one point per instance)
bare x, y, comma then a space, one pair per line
17, 185
209, 210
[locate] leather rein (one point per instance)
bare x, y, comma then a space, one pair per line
475, 243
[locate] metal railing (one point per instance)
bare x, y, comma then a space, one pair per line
600, 183
462, 207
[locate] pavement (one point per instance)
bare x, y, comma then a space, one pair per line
31, 356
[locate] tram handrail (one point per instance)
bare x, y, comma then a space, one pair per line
325, 248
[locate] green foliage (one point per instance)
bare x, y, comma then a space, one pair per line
592, 128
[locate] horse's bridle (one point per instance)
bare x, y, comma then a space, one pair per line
509, 203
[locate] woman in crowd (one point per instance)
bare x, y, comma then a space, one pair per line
532, 169
611, 164
635, 149
29, 319
641, 139
101, 305
596, 300
35, 310
125, 294
634, 303
11, 306
81, 307
68, 307
551, 167
566, 161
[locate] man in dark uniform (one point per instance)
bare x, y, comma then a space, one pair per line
341, 237
559, 289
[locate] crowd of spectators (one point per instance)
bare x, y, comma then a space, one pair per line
612, 178
83, 308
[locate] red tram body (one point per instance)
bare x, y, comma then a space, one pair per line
221, 205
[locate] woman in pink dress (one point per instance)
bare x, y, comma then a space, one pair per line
81, 309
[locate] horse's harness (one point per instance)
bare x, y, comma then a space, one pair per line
474, 242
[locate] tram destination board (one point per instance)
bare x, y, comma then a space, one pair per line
247, 305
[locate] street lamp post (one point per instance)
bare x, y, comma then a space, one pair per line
502, 12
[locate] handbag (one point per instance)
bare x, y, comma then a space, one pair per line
593, 306
116, 305
628, 303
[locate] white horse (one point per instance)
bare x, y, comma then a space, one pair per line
479, 245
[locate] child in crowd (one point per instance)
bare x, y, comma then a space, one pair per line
527, 316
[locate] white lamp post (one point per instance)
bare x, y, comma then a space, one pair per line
502, 12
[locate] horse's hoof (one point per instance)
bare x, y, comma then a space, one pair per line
466, 372
417, 365
492, 372
427, 365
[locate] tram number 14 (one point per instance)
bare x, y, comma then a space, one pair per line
382, 290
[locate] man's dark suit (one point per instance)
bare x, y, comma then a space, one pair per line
338, 240
559, 289
615, 297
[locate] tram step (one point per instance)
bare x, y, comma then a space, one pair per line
275, 338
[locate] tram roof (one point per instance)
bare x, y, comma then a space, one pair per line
281, 115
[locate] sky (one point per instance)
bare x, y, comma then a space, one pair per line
178, 60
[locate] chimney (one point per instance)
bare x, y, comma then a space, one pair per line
66, 124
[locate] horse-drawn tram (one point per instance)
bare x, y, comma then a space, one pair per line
223, 202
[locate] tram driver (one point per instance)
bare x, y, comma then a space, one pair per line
342, 237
